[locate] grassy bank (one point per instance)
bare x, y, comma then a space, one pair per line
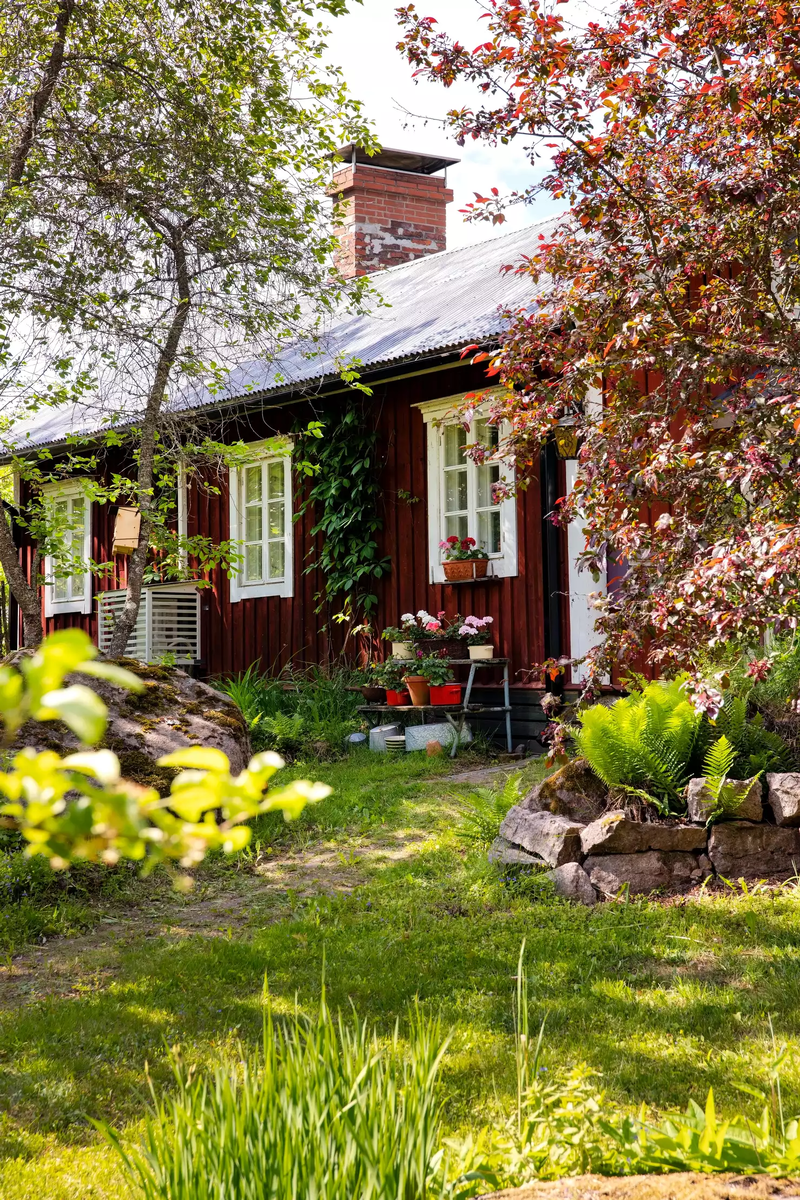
375, 888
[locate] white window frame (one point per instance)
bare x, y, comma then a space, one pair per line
80, 602
240, 588
436, 414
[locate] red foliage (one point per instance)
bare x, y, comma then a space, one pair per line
674, 294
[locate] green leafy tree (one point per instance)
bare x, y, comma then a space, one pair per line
164, 217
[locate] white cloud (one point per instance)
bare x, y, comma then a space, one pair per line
363, 45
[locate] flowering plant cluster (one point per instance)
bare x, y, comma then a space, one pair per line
420, 627
476, 630
455, 549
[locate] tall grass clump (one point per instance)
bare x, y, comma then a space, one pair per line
325, 1111
308, 712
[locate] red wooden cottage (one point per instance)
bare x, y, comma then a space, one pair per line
435, 302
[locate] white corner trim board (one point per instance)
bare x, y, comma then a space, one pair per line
583, 635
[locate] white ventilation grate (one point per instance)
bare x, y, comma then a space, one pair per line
168, 623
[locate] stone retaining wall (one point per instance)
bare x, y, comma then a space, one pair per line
593, 853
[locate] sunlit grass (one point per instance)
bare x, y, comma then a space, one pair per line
665, 1000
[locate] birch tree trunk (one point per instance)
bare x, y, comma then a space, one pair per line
126, 619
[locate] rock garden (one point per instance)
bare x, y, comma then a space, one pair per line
662, 797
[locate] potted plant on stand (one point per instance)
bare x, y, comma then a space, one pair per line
389, 675
479, 637
416, 680
402, 637
462, 558
440, 675
374, 690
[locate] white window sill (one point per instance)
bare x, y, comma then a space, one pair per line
256, 591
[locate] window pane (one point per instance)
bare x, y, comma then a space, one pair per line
252, 484
252, 562
455, 438
487, 475
275, 480
277, 516
489, 531
61, 509
60, 589
486, 434
457, 526
253, 524
455, 490
277, 559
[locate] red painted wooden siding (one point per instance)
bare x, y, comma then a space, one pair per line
276, 631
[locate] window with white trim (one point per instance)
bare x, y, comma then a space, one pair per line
68, 580
461, 501
261, 524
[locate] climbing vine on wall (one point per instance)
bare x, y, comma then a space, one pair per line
344, 496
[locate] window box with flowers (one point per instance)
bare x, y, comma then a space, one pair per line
479, 636
427, 630
463, 558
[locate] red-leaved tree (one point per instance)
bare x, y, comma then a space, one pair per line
672, 132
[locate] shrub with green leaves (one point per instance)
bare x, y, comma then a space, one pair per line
325, 1110
297, 713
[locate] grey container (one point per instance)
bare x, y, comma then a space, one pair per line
378, 736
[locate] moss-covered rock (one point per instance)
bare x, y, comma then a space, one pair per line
573, 791
174, 711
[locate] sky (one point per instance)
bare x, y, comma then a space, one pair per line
363, 45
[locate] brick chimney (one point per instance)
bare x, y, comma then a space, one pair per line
394, 208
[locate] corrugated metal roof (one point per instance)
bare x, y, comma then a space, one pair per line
438, 303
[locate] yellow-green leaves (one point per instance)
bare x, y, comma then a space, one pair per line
36, 689
79, 808
78, 707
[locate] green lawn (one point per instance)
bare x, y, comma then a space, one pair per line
375, 888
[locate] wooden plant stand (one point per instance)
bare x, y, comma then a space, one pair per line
455, 714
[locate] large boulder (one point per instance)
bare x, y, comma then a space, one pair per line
748, 807
572, 883
556, 840
615, 833
173, 711
655, 870
573, 791
739, 850
784, 798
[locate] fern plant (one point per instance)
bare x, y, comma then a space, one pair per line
726, 794
643, 743
484, 810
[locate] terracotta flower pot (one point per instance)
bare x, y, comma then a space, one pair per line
373, 695
446, 693
465, 568
402, 650
482, 651
419, 689
397, 699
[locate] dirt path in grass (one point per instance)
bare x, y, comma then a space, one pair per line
75, 966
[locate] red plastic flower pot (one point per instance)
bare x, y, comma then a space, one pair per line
396, 699
446, 693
